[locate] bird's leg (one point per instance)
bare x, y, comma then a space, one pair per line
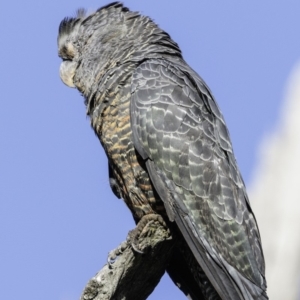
146, 227
143, 228
112, 255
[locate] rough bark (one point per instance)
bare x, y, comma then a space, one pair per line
132, 275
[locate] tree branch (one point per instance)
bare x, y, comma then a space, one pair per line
133, 275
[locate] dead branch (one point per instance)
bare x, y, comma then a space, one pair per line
133, 275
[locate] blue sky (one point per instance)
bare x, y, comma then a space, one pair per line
58, 217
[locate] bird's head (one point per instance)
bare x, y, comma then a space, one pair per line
91, 44
68, 47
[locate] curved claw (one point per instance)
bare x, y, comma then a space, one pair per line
132, 239
111, 260
113, 255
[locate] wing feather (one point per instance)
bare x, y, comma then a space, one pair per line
180, 132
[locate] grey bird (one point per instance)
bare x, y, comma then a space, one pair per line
168, 148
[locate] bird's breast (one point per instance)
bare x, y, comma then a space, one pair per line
114, 130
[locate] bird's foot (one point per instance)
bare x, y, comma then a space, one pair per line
143, 228
113, 255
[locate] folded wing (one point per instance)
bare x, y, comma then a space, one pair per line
179, 130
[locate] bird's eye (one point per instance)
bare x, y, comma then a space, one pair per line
66, 59
66, 52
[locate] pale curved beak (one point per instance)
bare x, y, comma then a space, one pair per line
67, 71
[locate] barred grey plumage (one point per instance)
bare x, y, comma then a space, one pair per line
167, 145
